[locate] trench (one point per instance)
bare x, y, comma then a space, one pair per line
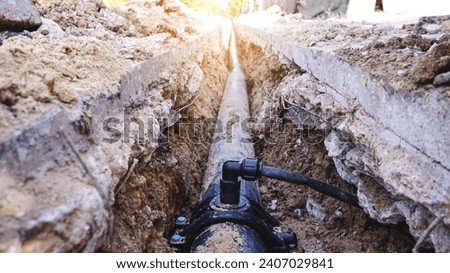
66, 188
170, 184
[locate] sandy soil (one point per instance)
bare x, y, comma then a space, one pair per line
138, 19
94, 47
36, 72
84, 56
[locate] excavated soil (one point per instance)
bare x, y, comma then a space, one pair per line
406, 56
83, 54
53, 72
137, 19
322, 223
62, 65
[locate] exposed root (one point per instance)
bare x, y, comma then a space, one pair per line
425, 234
127, 176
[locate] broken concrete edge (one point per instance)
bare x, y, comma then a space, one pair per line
132, 84
19, 15
143, 78
355, 148
380, 101
432, 192
352, 143
31, 151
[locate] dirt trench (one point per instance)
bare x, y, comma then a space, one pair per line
167, 181
287, 136
170, 182
150, 183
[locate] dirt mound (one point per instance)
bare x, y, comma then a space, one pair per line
138, 18
407, 62
97, 47
407, 56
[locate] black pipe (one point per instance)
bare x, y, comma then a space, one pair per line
249, 240
230, 201
252, 169
300, 179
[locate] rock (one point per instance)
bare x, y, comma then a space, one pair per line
114, 21
339, 213
56, 212
433, 19
172, 161
313, 8
18, 15
75, 31
313, 247
442, 79
50, 29
82, 206
431, 63
6, 35
440, 237
299, 213
171, 5
275, 9
445, 26
315, 210
100, 33
432, 28
401, 73
417, 41
263, 189
273, 205
444, 38
196, 80
339, 38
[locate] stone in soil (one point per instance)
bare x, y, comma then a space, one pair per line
18, 15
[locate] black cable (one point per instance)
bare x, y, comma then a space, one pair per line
319, 186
